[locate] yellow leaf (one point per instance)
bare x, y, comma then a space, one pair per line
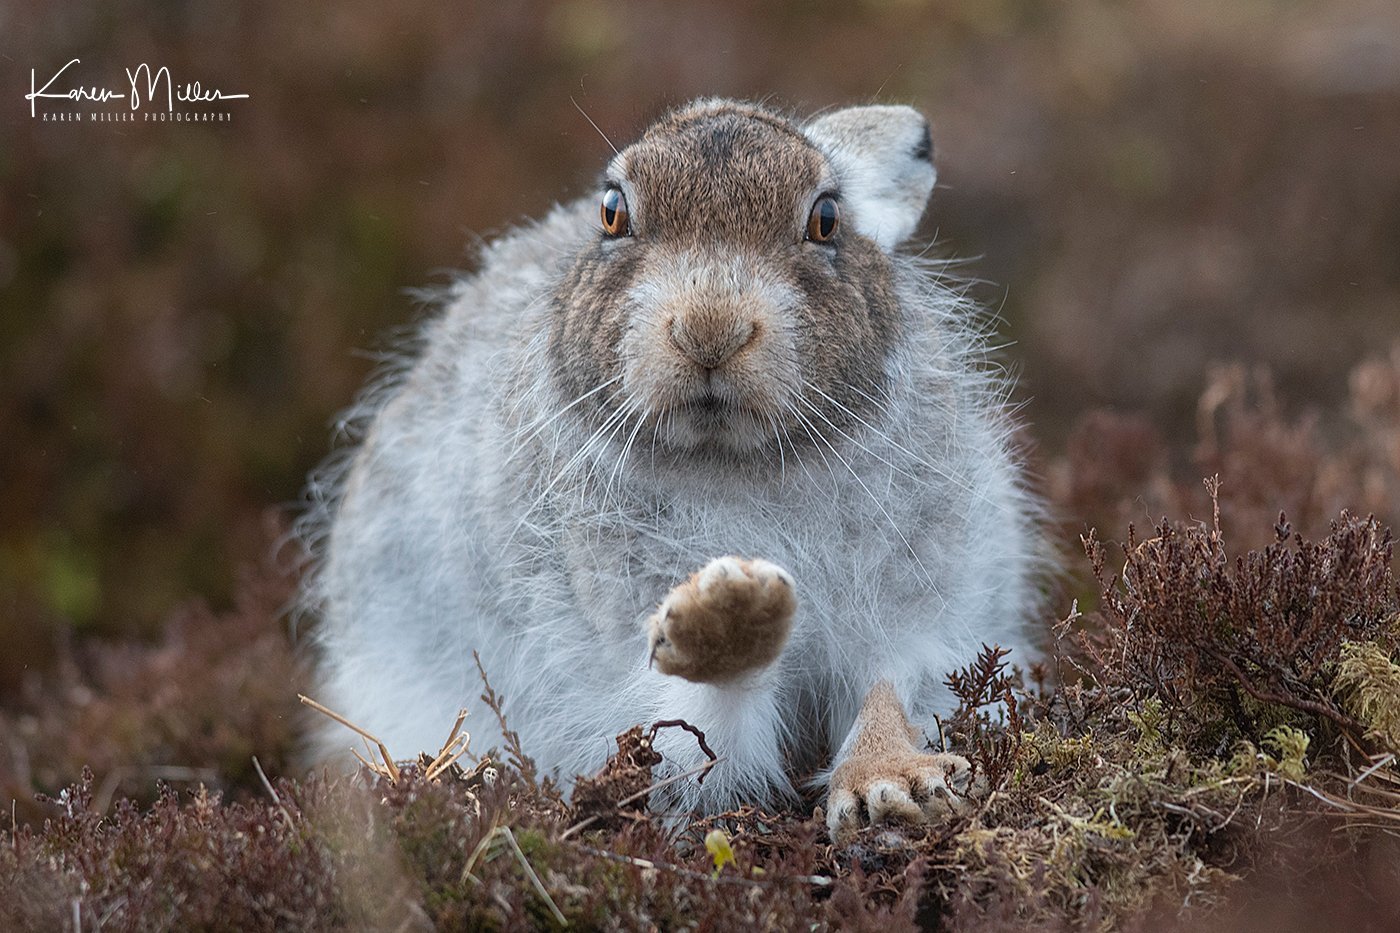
717, 844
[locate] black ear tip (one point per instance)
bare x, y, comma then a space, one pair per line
923, 149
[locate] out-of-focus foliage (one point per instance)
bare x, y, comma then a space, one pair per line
1151, 186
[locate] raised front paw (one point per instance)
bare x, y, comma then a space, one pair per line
895, 786
730, 618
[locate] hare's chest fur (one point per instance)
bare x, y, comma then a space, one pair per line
896, 557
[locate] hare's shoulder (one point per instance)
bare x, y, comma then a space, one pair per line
483, 317
532, 256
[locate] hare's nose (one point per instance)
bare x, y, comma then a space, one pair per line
710, 340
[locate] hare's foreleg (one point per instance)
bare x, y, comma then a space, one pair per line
731, 618
712, 644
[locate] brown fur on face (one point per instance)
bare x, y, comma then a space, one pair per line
717, 318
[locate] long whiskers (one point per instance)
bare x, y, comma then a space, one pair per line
626, 449
818, 437
883, 436
848, 436
529, 433
610, 425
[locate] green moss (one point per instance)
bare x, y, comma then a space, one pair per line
1290, 747
1149, 719
1368, 684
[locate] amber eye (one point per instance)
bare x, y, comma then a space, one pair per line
615, 220
822, 224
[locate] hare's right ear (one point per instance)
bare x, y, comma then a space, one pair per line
883, 159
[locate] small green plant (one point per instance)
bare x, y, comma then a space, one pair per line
1290, 758
1368, 685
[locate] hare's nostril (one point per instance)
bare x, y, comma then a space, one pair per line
710, 343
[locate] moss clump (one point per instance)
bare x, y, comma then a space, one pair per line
1368, 685
1290, 753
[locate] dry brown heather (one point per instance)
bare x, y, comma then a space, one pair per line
1213, 747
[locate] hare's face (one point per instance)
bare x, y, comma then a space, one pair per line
739, 295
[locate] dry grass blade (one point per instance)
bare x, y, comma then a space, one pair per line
447, 757
477, 853
1354, 812
369, 765
450, 751
1384, 762
389, 769
271, 791
503, 832
534, 878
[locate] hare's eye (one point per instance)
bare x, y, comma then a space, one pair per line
615, 219
824, 219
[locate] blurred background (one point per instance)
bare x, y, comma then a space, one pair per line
1147, 188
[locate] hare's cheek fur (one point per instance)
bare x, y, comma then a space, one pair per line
586, 328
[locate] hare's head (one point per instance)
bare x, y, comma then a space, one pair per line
740, 289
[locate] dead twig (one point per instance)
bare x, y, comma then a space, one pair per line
583, 824
389, 768
1347, 723
699, 737
523, 762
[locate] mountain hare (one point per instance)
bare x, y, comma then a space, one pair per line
721, 352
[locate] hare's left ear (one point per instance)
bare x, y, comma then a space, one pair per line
883, 160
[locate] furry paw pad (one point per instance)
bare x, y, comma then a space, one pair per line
731, 617
902, 786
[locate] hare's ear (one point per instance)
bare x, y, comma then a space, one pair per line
883, 159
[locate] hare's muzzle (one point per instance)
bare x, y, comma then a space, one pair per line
708, 350
709, 338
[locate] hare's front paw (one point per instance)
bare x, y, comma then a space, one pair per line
731, 617
898, 785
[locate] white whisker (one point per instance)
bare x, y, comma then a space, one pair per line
534, 431
835, 427
883, 436
894, 526
626, 449
608, 424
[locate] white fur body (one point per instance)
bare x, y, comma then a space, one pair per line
477, 515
